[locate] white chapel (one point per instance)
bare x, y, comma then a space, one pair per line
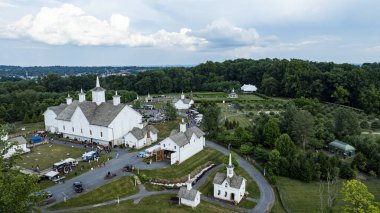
99, 121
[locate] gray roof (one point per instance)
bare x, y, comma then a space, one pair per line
182, 139
98, 89
341, 145
58, 109
101, 115
140, 133
20, 140
185, 101
187, 194
234, 182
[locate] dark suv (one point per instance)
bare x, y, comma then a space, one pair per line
78, 187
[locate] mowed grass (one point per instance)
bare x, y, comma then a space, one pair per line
305, 197
182, 170
164, 128
158, 204
251, 187
119, 188
30, 127
47, 154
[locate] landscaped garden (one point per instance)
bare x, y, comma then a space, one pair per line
119, 188
158, 203
181, 171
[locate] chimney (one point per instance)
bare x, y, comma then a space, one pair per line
182, 126
69, 100
189, 183
116, 99
82, 96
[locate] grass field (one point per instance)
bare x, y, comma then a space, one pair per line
30, 127
208, 189
121, 187
304, 197
182, 170
47, 154
220, 96
158, 204
164, 128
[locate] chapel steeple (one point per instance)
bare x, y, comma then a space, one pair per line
98, 93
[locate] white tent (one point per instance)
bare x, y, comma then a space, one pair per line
248, 88
51, 174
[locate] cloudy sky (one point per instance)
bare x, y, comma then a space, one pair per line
186, 32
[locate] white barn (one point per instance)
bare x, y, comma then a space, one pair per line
229, 186
140, 137
248, 88
189, 196
182, 103
98, 121
184, 144
19, 146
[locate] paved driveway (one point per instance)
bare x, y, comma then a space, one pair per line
267, 198
95, 178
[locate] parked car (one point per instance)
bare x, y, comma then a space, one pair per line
42, 194
78, 187
128, 168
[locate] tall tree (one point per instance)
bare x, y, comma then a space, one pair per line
271, 132
15, 187
211, 119
171, 111
357, 198
302, 127
346, 123
285, 146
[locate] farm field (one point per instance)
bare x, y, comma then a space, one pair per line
182, 170
46, 155
122, 187
304, 197
160, 204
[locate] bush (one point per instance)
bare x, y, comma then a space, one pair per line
375, 125
364, 125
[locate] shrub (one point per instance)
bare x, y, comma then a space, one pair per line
364, 125
375, 125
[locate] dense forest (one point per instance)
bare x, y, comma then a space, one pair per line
346, 84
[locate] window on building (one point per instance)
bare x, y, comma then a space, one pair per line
63, 127
101, 134
81, 130
175, 147
90, 132
226, 185
72, 129
164, 145
218, 192
225, 194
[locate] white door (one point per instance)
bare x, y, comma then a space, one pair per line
52, 129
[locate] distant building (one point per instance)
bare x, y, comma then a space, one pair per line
189, 196
180, 146
182, 103
339, 147
96, 121
248, 88
140, 137
148, 98
232, 94
229, 186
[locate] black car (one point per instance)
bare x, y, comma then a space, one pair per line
78, 187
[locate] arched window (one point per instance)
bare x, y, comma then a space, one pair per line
225, 194
226, 184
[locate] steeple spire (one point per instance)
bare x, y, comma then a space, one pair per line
230, 161
97, 81
230, 167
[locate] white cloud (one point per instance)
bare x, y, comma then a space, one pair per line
69, 24
221, 33
6, 4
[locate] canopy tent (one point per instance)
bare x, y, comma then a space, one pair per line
36, 139
51, 174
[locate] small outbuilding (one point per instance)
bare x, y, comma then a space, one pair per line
339, 147
189, 196
248, 88
232, 94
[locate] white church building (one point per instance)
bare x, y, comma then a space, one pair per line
99, 121
229, 186
180, 146
182, 103
189, 196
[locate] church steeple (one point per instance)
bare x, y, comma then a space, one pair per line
230, 168
82, 96
69, 100
98, 93
189, 183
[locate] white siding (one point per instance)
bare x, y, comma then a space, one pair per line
238, 193
50, 121
192, 203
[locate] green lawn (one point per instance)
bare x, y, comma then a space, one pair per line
247, 204
30, 127
277, 207
304, 197
158, 204
151, 187
47, 154
121, 187
164, 128
182, 170
208, 189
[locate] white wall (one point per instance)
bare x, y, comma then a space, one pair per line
196, 145
239, 193
180, 105
125, 121
21, 148
50, 121
191, 203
